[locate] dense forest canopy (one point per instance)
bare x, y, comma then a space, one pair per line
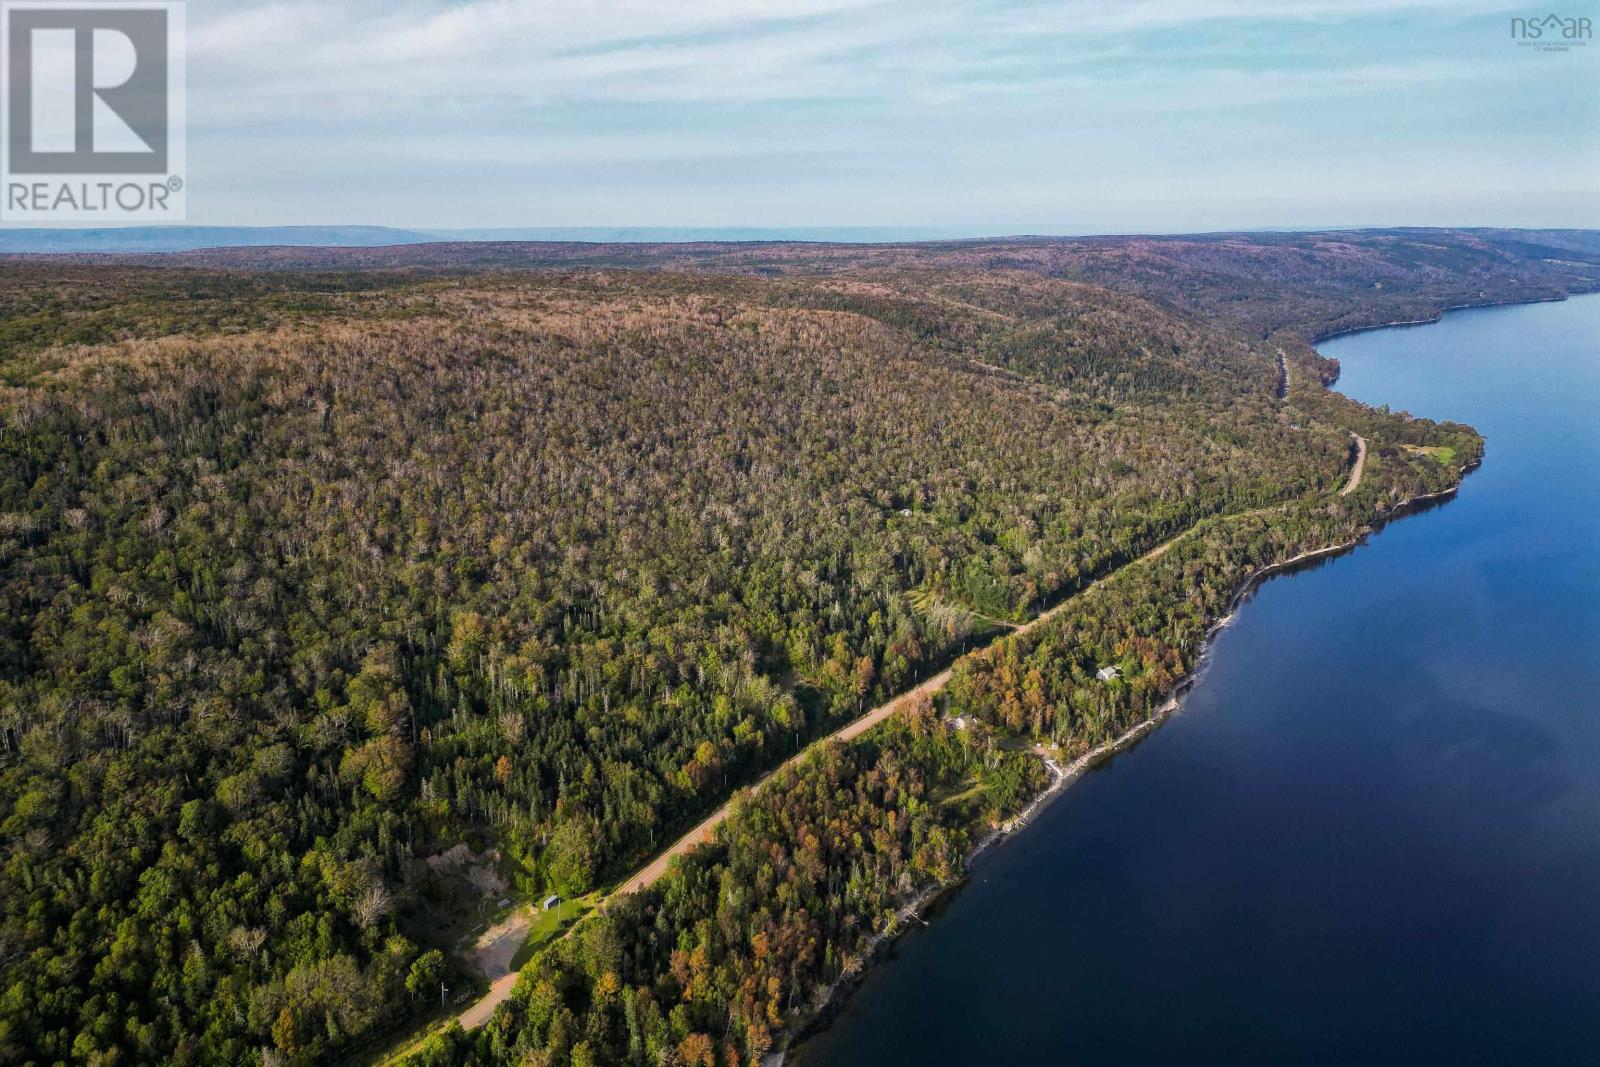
1307, 284
313, 575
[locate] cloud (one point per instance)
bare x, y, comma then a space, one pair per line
1144, 15
655, 102
364, 58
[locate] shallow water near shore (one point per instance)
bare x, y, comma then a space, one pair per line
1373, 831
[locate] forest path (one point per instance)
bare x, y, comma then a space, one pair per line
1359, 467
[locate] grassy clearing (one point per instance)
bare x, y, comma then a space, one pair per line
549, 925
929, 605
1443, 453
965, 799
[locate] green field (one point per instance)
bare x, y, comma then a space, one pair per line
1443, 453
549, 925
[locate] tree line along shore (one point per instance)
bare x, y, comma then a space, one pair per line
319, 573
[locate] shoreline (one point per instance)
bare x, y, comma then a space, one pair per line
831, 999
1318, 339
482, 1009
827, 1002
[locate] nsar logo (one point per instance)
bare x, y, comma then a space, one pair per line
1553, 33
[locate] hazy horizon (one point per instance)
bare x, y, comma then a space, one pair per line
828, 234
999, 118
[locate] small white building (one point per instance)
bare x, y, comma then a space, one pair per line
550, 901
1108, 672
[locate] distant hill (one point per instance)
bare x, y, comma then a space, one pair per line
316, 575
569, 245
674, 234
1315, 284
190, 238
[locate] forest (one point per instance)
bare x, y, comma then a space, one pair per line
699, 970
1307, 285
313, 575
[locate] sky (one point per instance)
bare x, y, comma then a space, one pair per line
1067, 117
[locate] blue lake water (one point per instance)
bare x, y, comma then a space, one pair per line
1373, 832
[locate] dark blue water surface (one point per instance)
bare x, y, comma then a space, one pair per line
1373, 833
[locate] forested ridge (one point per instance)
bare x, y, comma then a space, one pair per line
699, 970
311, 577
1305, 285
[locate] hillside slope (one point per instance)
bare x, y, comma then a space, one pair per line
308, 584
316, 575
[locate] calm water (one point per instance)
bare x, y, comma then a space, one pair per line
1374, 831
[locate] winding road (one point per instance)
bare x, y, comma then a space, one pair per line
657, 867
501, 985
1359, 466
